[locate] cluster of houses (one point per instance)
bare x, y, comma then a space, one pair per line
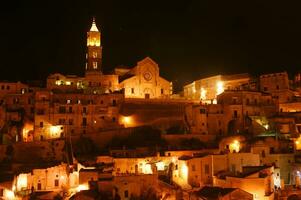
254, 124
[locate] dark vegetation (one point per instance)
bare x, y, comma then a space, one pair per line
144, 136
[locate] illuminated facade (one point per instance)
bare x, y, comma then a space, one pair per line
12, 88
16, 106
144, 81
58, 114
278, 85
197, 171
207, 89
235, 111
290, 107
259, 181
143, 165
94, 50
53, 178
95, 83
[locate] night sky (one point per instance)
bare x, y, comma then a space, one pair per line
188, 39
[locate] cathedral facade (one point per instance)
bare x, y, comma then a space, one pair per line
144, 81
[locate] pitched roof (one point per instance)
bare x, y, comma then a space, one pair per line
214, 192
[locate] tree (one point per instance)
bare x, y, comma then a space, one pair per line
85, 146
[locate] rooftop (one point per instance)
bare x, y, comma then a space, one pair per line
214, 192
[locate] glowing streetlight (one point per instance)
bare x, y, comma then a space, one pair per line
184, 172
127, 121
54, 130
203, 93
9, 195
266, 126
298, 144
219, 87
235, 146
82, 187
160, 166
21, 182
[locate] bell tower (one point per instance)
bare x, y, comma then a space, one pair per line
94, 50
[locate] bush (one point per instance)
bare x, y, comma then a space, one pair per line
84, 146
176, 130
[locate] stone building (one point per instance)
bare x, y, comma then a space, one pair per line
198, 171
144, 81
207, 89
290, 107
129, 186
53, 178
12, 88
235, 111
277, 153
242, 107
58, 114
257, 180
206, 119
278, 85
16, 108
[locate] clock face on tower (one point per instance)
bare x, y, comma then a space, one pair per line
147, 76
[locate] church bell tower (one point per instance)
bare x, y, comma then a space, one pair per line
94, 50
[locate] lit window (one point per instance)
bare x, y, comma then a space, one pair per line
94, 65
94, 54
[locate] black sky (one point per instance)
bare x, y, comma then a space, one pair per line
188, 39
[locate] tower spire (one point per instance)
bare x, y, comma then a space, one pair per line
94, 49
94, 27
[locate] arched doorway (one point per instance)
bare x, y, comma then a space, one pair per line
148, 93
